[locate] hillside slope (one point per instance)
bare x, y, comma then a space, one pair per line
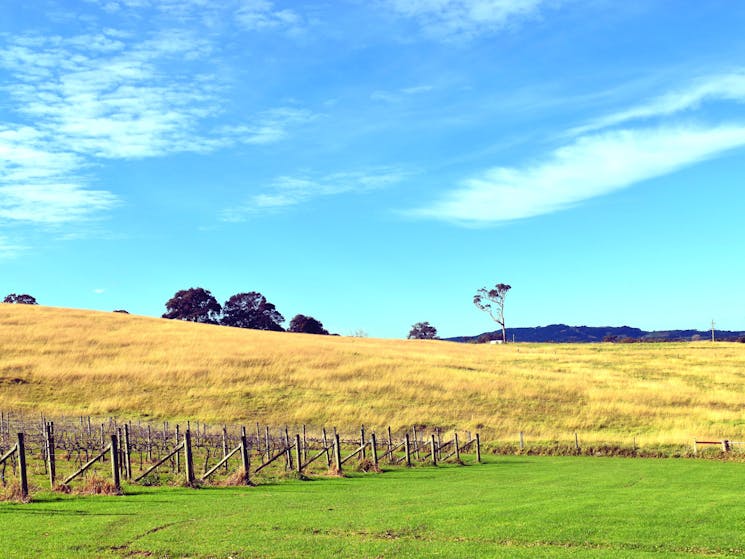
60, 361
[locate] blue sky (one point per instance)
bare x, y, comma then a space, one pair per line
373, 163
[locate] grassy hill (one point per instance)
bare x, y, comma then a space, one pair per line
74, 362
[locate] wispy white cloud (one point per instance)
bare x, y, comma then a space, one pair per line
261, 15
287, 191
385, 96
719, 87
400, 94
591, 166
10, 249
603, 156
25, 156
250, 15
52, 202
459, 18
111, 101
413, 90
39, 184
90, 98
267, 127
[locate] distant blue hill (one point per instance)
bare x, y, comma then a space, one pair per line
561, 333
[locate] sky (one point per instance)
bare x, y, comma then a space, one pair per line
374, 163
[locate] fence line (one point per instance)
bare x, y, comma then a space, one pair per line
77, 446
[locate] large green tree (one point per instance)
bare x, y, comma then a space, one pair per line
194, 305
306, 325
251, 310
423, 331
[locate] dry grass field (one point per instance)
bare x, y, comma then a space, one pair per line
73, 362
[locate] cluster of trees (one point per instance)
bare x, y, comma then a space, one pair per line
491, 301
423, 331
252, 310
242, 310
22, 299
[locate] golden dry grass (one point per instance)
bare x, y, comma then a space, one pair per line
74, 362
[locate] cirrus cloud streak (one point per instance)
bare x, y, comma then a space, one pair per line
601, 157
591, 166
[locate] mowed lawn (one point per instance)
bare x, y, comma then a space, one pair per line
513, 506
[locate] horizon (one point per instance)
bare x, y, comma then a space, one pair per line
373, 165
440, 338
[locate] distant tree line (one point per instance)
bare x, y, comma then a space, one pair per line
242, 310
22, 299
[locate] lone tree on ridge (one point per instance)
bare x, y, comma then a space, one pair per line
251, 310
423, 331
307, 325
22, 299
492, 302
193, 305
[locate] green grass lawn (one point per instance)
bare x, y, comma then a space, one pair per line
508, 507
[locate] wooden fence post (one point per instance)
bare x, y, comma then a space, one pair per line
225, 443
337, 453
115, 462
305, 444
407, 448
576, 442
522, 441
127, 453
434, 450
121, 452
268, 444
390, 439
288, 452
416, 442
245, 459
45, 446
50, 453
457, 448
298, 454
374, 449
326, 446
362, 441
22, 465
188, 459
178, 454
478, 448
149, 444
